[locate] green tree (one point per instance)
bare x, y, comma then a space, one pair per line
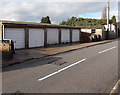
74, 21
63, 23
46, 20
113, 19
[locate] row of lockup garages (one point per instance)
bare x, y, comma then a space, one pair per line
30, 35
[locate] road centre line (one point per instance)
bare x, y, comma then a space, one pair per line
107, 49
61, 70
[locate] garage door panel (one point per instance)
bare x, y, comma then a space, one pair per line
65, 35
52, 36
75, 35
36, 37
17, 35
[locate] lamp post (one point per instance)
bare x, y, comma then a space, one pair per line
108, 16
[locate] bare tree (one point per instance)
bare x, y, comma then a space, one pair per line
104, 13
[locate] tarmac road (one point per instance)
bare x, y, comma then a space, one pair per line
88, 70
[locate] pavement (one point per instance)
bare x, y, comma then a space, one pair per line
35, 53
88, 70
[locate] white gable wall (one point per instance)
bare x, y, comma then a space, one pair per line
86, 30
1, 31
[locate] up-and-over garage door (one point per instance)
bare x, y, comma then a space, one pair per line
75, 35
36, 37
17, 35
52, 36
65, 35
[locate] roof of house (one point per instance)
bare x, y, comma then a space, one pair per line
91, 26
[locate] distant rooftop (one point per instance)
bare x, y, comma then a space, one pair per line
91, 26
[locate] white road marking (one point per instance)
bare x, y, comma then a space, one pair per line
113, 47
115, 88
107, 49
61, 70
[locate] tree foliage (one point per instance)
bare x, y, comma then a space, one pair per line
46, 20
113, 19
74, 21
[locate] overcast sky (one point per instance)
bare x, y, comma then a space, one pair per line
58, 10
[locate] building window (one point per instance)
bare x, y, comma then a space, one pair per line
93, 30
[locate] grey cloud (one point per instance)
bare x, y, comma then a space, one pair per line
57, 11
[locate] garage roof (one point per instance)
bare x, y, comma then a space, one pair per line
34, 24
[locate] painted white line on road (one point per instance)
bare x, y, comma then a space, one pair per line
115, 88
113, 47
107, 49
61, 70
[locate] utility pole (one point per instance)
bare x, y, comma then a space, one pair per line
108, 17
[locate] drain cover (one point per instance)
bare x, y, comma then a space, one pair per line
60, 62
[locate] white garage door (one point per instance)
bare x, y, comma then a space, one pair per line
65, 35
36, 37
17, 35
52, 36
75, 35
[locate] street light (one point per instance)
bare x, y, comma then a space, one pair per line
108, 17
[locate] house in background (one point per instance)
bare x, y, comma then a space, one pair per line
113, 31
94, 30
99, 31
